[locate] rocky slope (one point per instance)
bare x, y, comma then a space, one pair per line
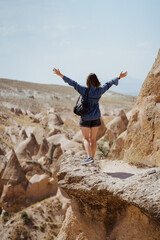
40, 221
39, 97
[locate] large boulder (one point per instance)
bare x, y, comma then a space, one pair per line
103, 207
142, 143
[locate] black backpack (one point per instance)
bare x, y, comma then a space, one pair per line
82, 108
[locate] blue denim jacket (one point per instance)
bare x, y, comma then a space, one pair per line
94, 94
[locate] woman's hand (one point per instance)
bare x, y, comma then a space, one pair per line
122, 75
57, 72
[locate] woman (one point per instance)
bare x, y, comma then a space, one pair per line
90, 122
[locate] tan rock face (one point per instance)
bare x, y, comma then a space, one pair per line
41, 187
31, 168
3, 164
44, 147
143, 134
13, 173
52, 120
117, 148
116, 126
101, 130
104, 207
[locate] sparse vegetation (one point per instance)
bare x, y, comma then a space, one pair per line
27, 219
43, 227
104, 150
6, 216
41, 211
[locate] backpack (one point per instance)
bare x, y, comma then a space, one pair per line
82, 108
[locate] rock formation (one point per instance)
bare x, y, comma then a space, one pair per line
30, 168
13, 173
103, 207
66, 144
54, 131
101, 130
37, 222
50, 152
43, 148
52, 120
1, 152
117, 148
23, 134
142, 143
57, 152
41, 187
3, 163
116, 126
29, 145
15, 184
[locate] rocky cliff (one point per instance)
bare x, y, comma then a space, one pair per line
142, 143
104, 207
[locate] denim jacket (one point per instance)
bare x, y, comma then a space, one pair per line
94, 95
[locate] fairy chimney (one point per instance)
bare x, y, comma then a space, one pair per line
29, 145
13, 173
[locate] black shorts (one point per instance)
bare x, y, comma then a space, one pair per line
90, 124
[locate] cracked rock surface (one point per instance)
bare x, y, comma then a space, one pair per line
110, 205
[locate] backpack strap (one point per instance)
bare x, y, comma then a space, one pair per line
78, 99
85, 96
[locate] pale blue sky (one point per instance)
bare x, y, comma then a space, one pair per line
79, 37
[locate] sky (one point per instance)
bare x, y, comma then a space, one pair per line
79, 37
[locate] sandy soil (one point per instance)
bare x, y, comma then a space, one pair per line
119, 168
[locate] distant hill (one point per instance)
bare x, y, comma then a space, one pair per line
37, 97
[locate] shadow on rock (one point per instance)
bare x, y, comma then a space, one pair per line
121, 175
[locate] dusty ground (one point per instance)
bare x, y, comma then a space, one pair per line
119, 168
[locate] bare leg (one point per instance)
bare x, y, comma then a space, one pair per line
93, 140
85, 133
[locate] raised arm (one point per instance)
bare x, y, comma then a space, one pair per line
107, 85
57, 72
71, 82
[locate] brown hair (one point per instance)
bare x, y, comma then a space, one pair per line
93, 81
